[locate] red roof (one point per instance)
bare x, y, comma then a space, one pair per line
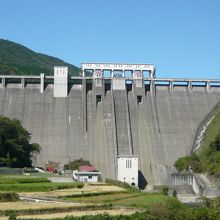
87, 168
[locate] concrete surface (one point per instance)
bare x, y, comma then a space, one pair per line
160, 129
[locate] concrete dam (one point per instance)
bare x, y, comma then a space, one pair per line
105, 112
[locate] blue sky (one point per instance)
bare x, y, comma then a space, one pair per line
181, 37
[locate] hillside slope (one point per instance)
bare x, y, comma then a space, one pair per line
19, 60
207, 158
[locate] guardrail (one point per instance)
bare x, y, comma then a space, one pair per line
126, 78
170, 83
199, 134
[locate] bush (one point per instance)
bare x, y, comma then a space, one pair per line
14, 180
121, 184
165, 190
8, 181
174, 193
193, 161
80, 185
32, 180
9, 197
74, 165
172, 209
12, 216
201, 213
90, 194
76, 185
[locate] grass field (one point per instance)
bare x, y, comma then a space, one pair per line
37, 187
14, 180
143, 201
128, 199
32, 184
81, 199
212, 131
90, 200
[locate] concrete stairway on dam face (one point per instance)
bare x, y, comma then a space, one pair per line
122, 122
134, 123
100, 142
140, 137
109, 125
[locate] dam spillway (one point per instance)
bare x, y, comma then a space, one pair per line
101, 118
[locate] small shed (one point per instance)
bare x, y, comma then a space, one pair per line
87, 168
87, 174
84, 176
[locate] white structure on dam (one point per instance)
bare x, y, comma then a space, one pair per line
117, 69
128, 169
60, 81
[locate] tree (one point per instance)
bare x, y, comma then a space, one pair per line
165, 190
74, 165
15, 147
174, 193
215, 145
193, 161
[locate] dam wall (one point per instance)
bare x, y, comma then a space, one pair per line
155, 119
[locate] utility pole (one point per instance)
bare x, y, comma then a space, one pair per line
69, 163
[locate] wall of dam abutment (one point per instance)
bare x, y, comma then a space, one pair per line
96, 122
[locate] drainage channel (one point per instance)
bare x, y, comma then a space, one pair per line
45, 200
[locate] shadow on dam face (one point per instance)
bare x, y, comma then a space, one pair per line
142, 182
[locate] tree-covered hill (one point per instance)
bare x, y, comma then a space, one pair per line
19, 60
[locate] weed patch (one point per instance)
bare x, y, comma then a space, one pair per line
55, 210
122, 185
9, 197
38, 187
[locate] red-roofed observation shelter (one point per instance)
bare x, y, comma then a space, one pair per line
87, 174
87, 168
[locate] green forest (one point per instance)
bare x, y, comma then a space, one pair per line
16, 59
